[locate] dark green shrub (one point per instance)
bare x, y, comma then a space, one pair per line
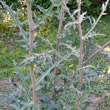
92, 7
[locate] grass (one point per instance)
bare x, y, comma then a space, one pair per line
9, 48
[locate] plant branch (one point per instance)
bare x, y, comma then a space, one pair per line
30, 21
102, 13
56, 92
58, 45
86, 62
96, 52
58, 37
71, 16
81, 52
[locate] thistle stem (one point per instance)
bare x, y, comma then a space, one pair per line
30, 21
81, 53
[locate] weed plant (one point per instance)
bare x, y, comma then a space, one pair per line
57, 78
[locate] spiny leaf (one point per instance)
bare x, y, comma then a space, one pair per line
53, 66
16, 20
19, 72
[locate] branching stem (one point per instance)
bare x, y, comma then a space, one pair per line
81, 53
101, 14
57, 46
30, 21
96, 52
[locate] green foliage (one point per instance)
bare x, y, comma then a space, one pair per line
44, 61
15, 3
92, 7
42, 3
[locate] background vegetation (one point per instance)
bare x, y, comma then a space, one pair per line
93, 6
